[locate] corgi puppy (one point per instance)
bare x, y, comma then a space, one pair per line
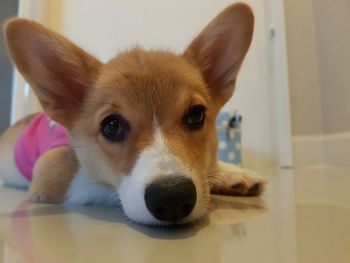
139, 129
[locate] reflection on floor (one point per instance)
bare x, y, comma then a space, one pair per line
304, 216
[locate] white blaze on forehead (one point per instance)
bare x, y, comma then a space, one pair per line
155, 160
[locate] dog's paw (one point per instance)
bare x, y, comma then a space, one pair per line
232, 180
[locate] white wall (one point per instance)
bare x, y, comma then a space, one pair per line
319, 61
106, 27
305, 90
332, 32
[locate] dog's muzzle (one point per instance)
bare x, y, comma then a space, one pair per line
171, 198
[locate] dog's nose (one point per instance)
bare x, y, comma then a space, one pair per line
171, 198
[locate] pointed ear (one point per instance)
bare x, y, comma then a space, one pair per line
220, 48
59, 72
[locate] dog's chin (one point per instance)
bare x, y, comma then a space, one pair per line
131, 194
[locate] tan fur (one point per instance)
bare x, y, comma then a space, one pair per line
150, 89
147, 85
52, 175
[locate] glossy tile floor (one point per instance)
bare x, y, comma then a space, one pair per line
304, 216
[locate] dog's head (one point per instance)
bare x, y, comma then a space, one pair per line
144, 122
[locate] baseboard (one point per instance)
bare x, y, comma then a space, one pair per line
336, 149
328, 149
307, 150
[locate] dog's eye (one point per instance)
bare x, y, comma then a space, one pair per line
115, 128
195, 117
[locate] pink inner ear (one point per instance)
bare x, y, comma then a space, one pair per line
218, 63
220, 48
221, 58
64, 85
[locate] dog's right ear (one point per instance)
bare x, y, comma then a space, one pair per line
218, 51
59, 72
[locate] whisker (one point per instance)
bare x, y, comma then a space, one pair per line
222, 172
210, 209
78, 146
110, 198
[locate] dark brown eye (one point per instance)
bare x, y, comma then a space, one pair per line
115, 128
195, 117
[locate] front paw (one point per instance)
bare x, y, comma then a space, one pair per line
232, 180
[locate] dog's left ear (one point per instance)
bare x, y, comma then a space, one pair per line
59, 72
220, 48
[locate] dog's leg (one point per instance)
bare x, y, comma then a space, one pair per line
228, 179
53, 172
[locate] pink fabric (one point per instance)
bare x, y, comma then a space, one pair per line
41, 135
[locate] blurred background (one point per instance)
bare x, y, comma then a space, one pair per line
318, 39
293, 89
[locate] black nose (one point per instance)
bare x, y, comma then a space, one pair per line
171, 198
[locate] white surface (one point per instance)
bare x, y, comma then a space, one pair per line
300, 219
